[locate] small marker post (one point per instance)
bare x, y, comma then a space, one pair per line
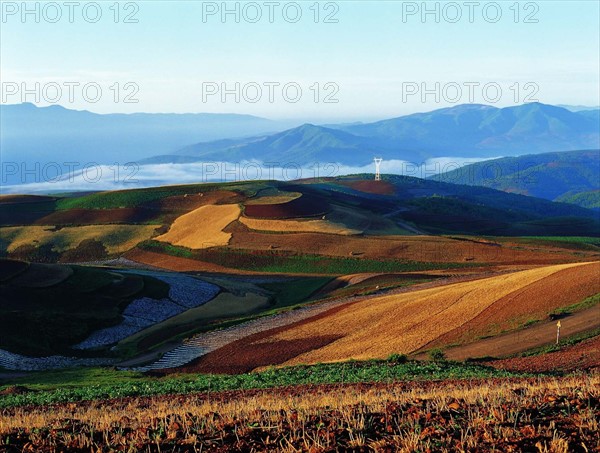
557, 332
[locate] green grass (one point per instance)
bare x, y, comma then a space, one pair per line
586, 303
570, 341
292, 292
91, 384
577, 242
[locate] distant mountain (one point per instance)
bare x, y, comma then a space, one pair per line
577, 108
589, 200
461, 131
553, 176
46, 134
485, 131
303, 145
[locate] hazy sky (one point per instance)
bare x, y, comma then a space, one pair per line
374, 58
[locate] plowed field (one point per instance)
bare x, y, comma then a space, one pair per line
203, 227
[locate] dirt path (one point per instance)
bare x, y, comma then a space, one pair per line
540, 334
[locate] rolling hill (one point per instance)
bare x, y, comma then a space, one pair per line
405, 323
554, 176
302, 145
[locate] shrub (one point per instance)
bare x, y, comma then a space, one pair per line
397, 358
437, 355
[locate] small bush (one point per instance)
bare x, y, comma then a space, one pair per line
437, 355
397, 358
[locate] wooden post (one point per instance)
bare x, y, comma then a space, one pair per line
557, 332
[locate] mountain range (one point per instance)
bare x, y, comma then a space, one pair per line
474, 131
56, 134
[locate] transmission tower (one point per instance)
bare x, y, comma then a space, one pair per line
377, 168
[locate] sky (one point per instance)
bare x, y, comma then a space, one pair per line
319, 61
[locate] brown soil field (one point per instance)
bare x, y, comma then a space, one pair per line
540, 334
338, 221
98, 216
376, 327
202, 227
374, 187
304, 206
436, 249
529, 303
186, 203
505, 415
582, 356
175, 263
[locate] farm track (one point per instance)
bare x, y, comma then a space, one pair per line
540, 334
205, 343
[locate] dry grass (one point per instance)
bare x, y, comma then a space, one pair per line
116, 238
545, 415
203, 227
403, 323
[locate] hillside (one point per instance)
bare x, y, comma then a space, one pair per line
408, 322
554, 176
301, 145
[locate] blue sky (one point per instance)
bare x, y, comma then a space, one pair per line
371, 58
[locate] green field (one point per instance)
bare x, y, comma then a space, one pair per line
93, 383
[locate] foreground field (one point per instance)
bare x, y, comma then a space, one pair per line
409, 322
519, 414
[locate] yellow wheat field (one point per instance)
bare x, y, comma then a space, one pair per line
116, 238
203, 227
380, 326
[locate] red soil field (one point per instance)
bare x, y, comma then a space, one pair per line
182, 203
175, 263
368, 186
304, 206
435, 249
